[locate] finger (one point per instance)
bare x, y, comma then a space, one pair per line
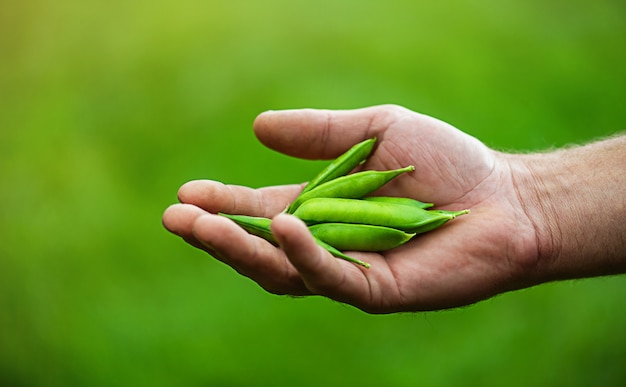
179, 219
322, 273
322, 134
214, 197
249, 255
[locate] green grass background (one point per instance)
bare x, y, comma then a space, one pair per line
107, 107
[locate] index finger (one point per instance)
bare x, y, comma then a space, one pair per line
323, 134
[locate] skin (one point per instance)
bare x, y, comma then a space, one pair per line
535, 218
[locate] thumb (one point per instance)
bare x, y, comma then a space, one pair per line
318, 268
321, 134
321, 273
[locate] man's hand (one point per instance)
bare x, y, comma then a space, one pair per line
496, 248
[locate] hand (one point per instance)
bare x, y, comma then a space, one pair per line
491, 250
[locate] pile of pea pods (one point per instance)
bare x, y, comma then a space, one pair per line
341, 216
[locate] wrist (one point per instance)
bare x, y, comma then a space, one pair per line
534, 181
575, 199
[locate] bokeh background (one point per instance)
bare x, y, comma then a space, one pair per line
107, 107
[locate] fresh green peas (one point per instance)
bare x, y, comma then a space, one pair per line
355, 185
440, 217
360, 237
340, 215
261, 227
400, 201
342, 164
406, 218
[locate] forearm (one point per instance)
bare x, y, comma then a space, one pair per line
576, 199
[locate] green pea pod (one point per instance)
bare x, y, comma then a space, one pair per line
343, 164
441, 217
398, 200
261, 227
360, 237
334, 251
355, 185
254, 225
325, 210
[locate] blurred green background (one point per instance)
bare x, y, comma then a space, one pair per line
107, 107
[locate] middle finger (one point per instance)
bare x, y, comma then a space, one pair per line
249, 255
214, 196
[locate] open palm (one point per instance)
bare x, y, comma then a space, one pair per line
471, 258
